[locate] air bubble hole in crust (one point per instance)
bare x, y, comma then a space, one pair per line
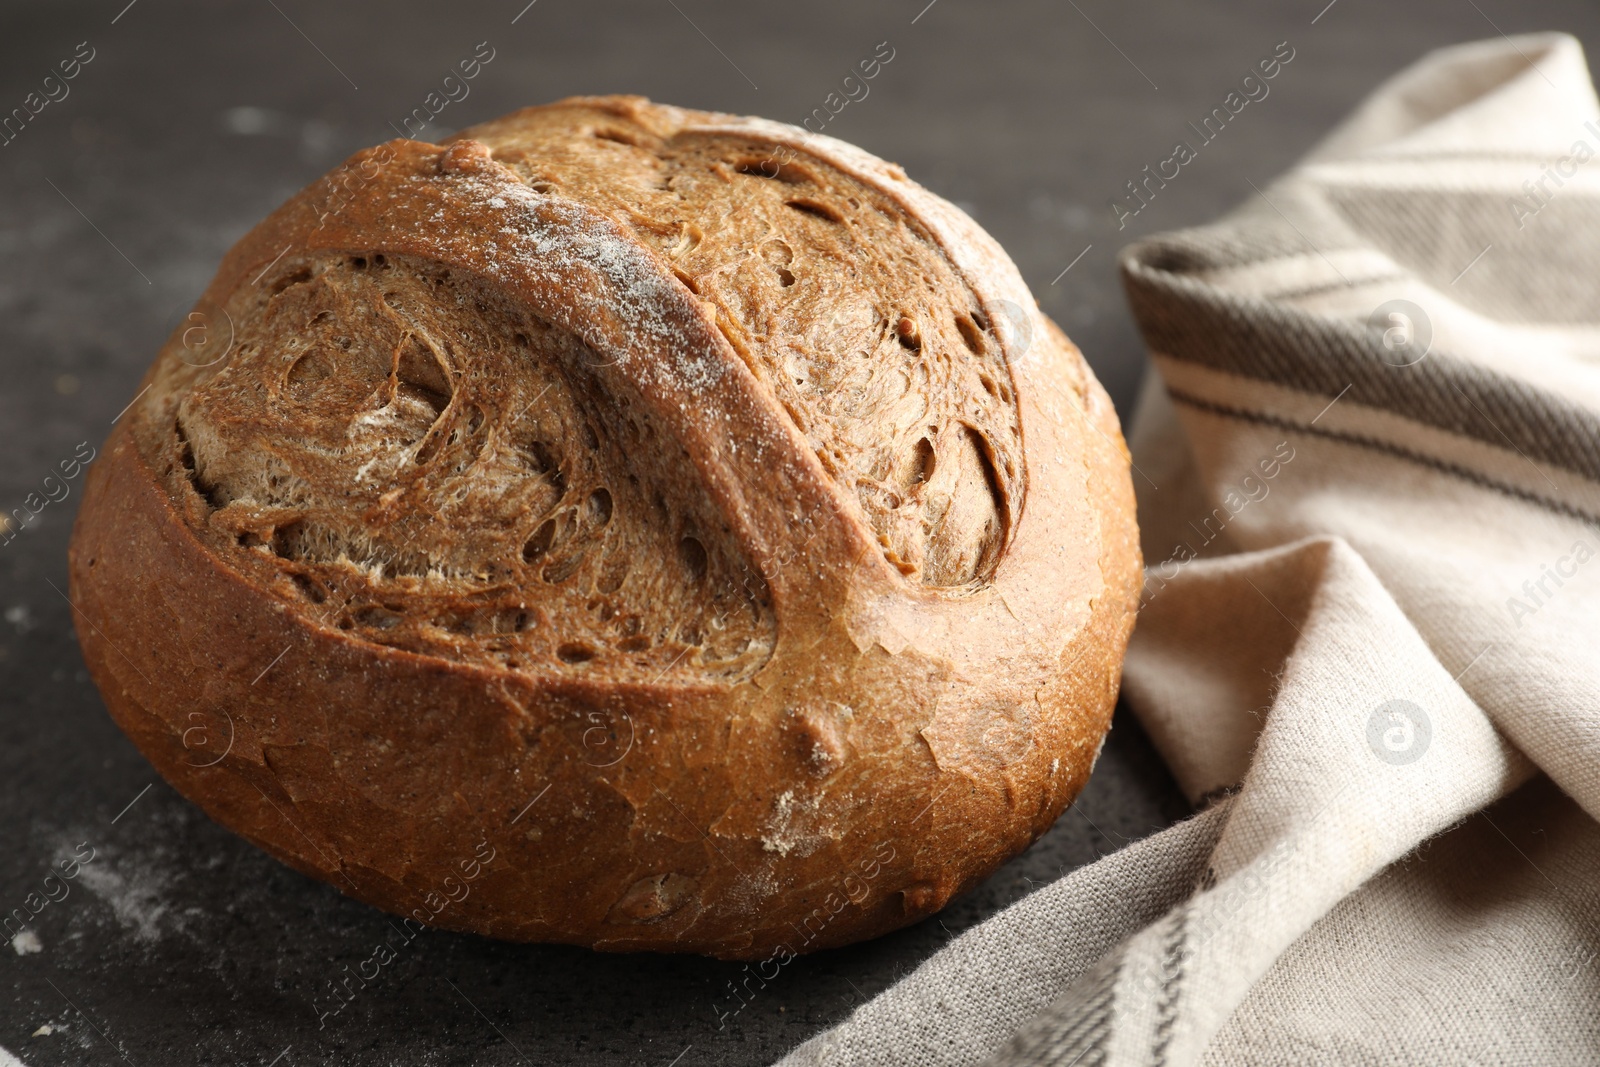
924, 462
817, 208
559, 570
693, 554
309, 588
379, 617
600, 507
298, 277
905, 331
538, 546
419, 374
619, 137
970, 334
768, 167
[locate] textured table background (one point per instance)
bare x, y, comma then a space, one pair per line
182, 944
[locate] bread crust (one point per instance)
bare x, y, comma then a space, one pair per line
895, 743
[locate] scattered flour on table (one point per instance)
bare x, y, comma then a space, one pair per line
135, 895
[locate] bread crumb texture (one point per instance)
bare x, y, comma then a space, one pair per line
403, 452
836, 298
407, 454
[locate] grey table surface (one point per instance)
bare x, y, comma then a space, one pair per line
183, 944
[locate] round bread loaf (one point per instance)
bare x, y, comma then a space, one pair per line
621, 525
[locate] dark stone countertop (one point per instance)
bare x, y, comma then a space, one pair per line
182, 944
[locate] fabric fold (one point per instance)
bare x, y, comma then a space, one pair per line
965, 1001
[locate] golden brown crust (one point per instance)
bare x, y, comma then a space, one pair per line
534, 561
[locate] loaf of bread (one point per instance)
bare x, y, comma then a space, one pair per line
620, 525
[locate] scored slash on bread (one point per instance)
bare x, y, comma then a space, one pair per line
695, 469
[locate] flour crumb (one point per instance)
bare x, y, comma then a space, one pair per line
780, 839
135, 899
26, 943
794, 827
